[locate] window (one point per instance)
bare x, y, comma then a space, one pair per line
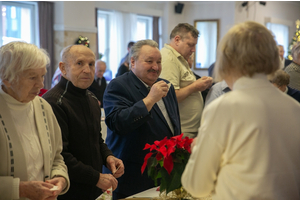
206, 48
103, 36
18, 22
281, 33
144, 27
115, 30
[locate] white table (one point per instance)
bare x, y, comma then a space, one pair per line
151, 193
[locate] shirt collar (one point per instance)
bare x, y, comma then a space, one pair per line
224, 85
179, 56
147, 86
173, 50
257, 80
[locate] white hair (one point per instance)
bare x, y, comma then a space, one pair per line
16, 57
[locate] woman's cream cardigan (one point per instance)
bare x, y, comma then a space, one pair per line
12, 155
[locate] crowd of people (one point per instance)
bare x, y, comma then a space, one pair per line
245, 130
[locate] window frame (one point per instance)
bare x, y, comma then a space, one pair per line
148, 20
284, 44
33, 6
106, 16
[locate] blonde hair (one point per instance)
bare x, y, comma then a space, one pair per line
16, 57
246, 49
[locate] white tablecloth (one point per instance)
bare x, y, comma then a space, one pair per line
151, 193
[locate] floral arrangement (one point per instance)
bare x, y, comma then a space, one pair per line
83, 41
167, 160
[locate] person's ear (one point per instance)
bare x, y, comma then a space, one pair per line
132, 62
6, 83
177, 39
62, 67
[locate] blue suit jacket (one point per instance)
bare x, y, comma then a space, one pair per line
131, 126
294, 93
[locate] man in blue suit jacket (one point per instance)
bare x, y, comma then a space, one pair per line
140, 108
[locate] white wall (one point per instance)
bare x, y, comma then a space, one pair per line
75, 16
282, 12
80, 15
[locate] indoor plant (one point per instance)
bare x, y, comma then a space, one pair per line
167, 160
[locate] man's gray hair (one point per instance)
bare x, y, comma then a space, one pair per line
136, 48
16, 57
65, 53
296, 51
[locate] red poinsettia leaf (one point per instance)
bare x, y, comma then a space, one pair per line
189, 140
163, 151
168, 164
180, 144
158, 156
148, 155
178, 137
171, 144
187, 144
153, 147
147, 146
162, 142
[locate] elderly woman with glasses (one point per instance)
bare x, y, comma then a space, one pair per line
31, 165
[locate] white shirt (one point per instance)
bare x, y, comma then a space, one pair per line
247, 146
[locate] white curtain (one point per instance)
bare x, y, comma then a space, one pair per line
281, 33
123, 30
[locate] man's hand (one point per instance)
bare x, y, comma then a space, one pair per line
107, 181
60, 182
203, 83
36, 190
157, 91
115, 165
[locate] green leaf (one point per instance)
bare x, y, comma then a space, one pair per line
164, 180
172, 181
151, 166
161, 163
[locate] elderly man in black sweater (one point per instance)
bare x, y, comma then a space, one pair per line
78, 114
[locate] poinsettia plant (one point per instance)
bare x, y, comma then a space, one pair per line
166, 161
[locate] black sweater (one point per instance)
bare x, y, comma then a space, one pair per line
84, 151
